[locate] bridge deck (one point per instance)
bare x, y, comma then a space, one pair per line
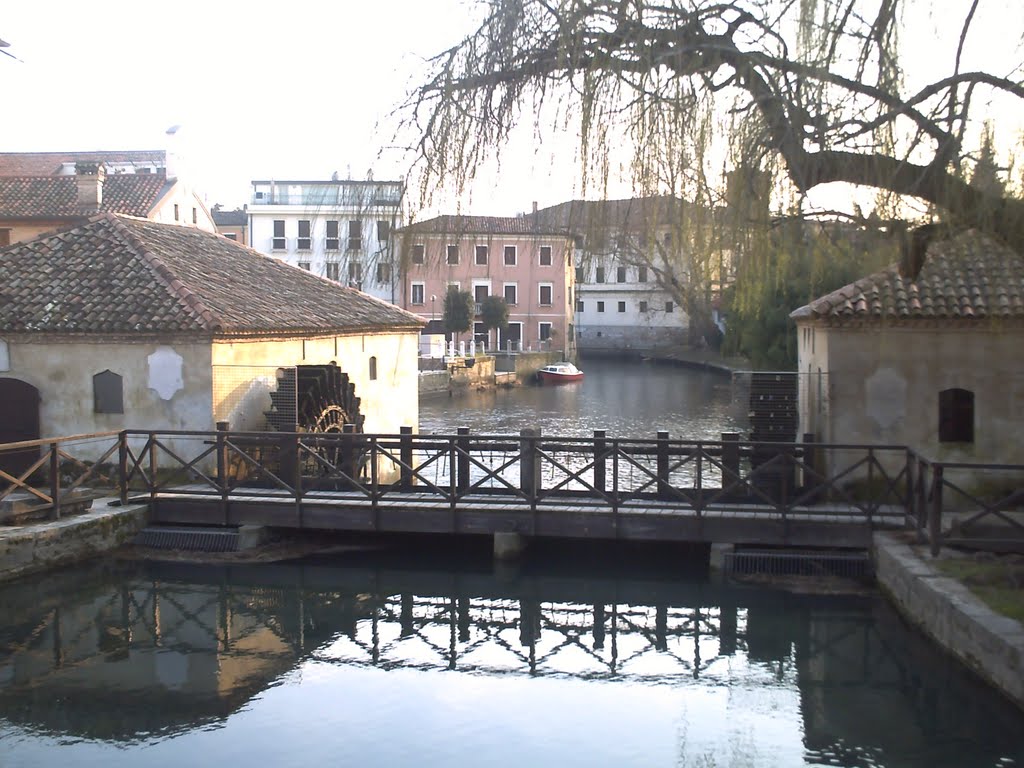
828, 524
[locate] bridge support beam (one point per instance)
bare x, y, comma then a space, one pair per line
508, 546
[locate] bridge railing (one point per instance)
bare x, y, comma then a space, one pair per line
529, 469
53, 472
987, 501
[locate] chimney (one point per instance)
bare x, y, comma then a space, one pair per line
89, 178
534, 207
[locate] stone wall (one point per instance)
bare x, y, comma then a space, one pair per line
990, 644
33, 548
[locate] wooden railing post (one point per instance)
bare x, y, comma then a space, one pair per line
405, 455
222, 455
154, 467
122, 465
730, 458
529, 467
935, 514
663, 484
462, 482
55, 479
921, 505
347, 453
600, 446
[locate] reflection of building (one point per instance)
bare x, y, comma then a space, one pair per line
123, 323
529, 266
932, 363
44, 191
340, 230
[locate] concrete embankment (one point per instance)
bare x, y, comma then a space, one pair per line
33, 548
990, 644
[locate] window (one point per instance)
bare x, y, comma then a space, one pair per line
5, 237
355, 273
383, 231
481, 335
195, 216
600, 306
176, 212
579, 306
620, 275
5, 356
545, 255
107, 392
278, 242
355, 235
418, 254
417, 293
641, 274
599, 277
643, 307
332, 271
581, 275
481, 292
956, 416
332, 241
384, 272
305, 242
373, 369
668, 239
544, 331
452, 254
545, 292
622, 306
669, 306
231, 236
511, 294
481, 255
304, 265
510, 255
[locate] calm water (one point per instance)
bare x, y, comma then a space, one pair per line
384, 659
627, 399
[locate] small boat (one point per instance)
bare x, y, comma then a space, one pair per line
557, 373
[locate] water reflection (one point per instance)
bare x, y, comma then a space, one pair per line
148, 651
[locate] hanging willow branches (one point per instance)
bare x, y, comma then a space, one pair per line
820, 81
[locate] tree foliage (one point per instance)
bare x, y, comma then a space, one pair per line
494, 312
458, 311
813, 90
793, 263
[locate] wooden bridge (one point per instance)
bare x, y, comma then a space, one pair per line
728, 491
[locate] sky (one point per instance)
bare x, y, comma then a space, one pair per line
297, 90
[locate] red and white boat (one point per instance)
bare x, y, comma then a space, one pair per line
558, 373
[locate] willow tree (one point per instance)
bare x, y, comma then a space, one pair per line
817, 84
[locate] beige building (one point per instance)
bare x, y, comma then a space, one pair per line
44, 191
123, 323
933, 363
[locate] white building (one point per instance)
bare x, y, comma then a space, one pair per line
341, 230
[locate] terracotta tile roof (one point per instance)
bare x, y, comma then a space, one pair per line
482, 225
121, 275
23, 197
49, 163
630, 214
968, 278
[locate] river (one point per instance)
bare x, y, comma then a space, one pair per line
424, 653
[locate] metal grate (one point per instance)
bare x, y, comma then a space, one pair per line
249, 397
189, 539
840, 564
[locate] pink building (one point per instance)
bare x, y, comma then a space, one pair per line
512, 257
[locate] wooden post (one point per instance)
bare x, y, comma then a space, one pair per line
922, 499
663, 484
122, 465
810, 470
405, 455
600, 446
55, 479
462, 482
347, 453
154, 467
730, 459
222, 455
529, 467
935, 514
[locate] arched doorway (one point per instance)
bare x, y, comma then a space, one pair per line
19, 420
